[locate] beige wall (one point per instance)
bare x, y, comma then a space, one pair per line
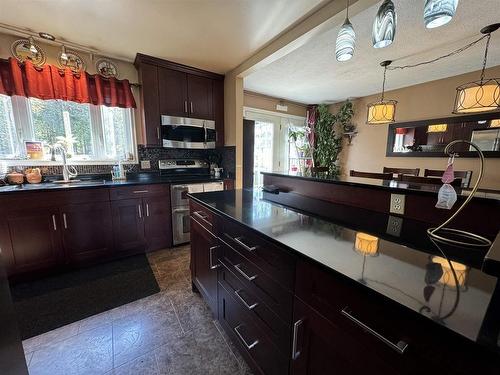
428, 100
126, 70
255, 100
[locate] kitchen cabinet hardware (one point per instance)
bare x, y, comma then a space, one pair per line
140, 210
296, 325
240, 239
200, 215
185, 106
54, 224
211, 257
400, 347
249, 278
249, 346
65, 222
192, 109
158, 132
140, 191
249, 307
147, 209
180, 210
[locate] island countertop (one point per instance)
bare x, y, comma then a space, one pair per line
409, 268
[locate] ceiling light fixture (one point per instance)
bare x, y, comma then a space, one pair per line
33, 49
438, 128
482, 95
384, 25
346, 40
383, 111
47, 36
439, 12
64, 55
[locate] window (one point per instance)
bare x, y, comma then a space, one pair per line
90, 133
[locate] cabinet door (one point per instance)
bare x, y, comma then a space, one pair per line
151, 113
87, 231
158, 222
321, 347
128, 225
173, 92
204, 263
218, 107
200, 97
35, 238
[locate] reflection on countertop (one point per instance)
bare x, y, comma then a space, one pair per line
409, 269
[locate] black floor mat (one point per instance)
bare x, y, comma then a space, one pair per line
55, 301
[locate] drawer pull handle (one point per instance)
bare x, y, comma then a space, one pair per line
202, 217
249, 278
65, 222
239, 240
147, 209
140, 191
400, 347
296, 325
211, 257
140, 211
249, 307
54, 225
249, 346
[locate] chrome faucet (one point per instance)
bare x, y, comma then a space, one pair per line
69, 171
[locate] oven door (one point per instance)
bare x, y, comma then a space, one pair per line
178, 194
180, 225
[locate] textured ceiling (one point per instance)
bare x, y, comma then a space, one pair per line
310, 74
212, 34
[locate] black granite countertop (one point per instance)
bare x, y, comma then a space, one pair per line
96, 181
408, 267
395, 186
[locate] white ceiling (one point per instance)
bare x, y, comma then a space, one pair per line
216, 35
310, 74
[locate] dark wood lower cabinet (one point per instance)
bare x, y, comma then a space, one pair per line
157, 222
87, 231
128, 226
204, 262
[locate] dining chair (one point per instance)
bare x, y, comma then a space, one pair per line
320, 171
464, 176
408, 171
380, 176
426, 180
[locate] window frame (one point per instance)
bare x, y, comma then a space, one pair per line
24, 130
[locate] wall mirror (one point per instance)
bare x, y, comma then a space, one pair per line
428, 138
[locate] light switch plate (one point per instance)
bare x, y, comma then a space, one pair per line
394, 225
145, 164
397, 204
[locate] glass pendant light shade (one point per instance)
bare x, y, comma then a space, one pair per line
346, 41
479, 96
384, 26
382, 112
439, 12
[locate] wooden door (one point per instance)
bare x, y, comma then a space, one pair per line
158, 222
172, 87
323, 347
128, 225
204, 263
87, 231
35, 238
200, 97
248, 152
148, 75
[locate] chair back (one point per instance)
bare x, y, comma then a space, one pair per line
320, 171
380, 176
464, 176
426, 180
408, 171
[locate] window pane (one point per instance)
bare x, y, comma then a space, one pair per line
8, 136
55, 121
117, 132
263, 151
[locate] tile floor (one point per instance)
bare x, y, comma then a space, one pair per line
171, 332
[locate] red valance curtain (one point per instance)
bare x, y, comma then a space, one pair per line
50, 82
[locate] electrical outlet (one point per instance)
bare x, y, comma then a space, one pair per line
397, 204
394, 225
145, 164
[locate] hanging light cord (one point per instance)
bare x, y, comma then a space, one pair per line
488, 36
456, 52
347, 11
383, 84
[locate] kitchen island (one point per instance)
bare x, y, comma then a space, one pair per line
353, 292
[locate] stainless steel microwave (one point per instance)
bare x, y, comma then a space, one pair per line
183, 132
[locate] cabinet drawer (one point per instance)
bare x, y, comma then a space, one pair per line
276, 329
203, 215
275, 262
277, 298
138, 191
249, 338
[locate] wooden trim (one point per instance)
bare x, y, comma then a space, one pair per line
141, 59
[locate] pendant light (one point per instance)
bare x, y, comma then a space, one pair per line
439, 12
33, 49
64, 55
384, 26
482, 95
383, 111
346, 40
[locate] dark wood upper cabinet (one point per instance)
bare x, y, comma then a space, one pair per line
173, 92
158, 222
200, 97
87, 231
128, 225
174, 89
149, 80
